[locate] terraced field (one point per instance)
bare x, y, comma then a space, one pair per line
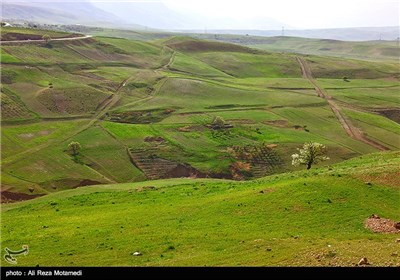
159, 182
142, 110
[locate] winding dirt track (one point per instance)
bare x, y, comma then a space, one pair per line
350, 129
101, 112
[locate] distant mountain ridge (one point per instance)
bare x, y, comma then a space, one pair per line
83, 13
156, 15
389, 33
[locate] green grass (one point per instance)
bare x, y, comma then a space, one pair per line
377, 127
335, 68
177, 85
7, 58
322, 123
107, 155
18, 138
192, 95
279, 83
214, 223
49, 170
373, 50
245, 65
187, 64
128, 131
386, 97
357, 83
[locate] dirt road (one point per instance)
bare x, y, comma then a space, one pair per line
350, 129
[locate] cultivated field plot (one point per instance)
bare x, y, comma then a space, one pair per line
177, 152
144, 110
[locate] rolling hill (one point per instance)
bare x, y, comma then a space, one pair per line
301, 218
156, 176
152, 103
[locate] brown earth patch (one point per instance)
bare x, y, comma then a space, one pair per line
72, 100
185, 128
150, 139
381, 225
146, 188
209, 46
263, 160
87, 182
141, 117
298, 127
184, 171
9, 197
12, 36
190, 128
284, 124
68, 183
392, 114
271, 146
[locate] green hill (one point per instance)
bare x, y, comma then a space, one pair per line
311, 218
142, 110
368, 50
156, 176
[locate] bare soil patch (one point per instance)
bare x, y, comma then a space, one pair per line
208, 46
155, 139
87, 182
11, 36
141, 117
392, 114
9, 197
191, 128
381, 225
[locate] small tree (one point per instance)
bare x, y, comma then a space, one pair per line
310, 154
74, 148
218, 122
46, 38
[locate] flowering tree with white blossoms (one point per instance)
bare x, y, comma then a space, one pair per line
310, 154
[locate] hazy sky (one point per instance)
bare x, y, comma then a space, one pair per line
301, 13
296, 13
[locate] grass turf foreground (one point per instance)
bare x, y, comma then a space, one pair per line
313, 218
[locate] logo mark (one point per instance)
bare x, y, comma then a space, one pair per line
9, 257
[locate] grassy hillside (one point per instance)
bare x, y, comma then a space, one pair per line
378, 50
143, 111
370, 50
302, 218
16, 33
156, 176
